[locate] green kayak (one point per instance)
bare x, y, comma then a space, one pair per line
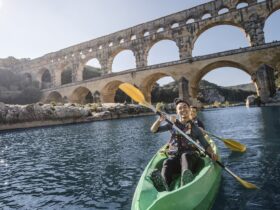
199, 194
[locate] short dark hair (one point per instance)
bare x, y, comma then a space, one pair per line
179, 100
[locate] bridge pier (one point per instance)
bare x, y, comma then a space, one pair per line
265, 82
108, 97
254, 30
56, 78
183, 87
106, 63
141, 58
185, 49
77, 72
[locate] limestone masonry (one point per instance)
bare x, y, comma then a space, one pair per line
183, 28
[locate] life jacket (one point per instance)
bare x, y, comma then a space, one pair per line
198, 123
178, 144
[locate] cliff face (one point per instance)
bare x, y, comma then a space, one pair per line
210, 96
208, 93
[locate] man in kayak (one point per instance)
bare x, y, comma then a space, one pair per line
182, 155
194, 118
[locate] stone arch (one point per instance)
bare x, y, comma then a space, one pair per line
217, 23
96, 97
67, 76
91, 69
113, 54
146, 33
108, 92
190, 20
174, 24
148, 83
276, 6
54, 97
223, 10
275, 10
46, 78
81, 95
264, 80
159, 41
241, 4
160, 29
195, 79
219, 39
206, 15
119, 63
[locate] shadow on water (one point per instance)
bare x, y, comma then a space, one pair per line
97, 165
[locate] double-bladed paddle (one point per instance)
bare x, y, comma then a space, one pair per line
138, 96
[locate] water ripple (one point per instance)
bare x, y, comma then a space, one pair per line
97, 165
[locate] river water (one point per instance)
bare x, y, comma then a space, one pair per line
97, 165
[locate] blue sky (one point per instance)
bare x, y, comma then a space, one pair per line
32, 28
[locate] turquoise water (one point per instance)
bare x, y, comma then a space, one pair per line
97, 165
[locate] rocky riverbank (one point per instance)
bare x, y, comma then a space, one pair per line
253, 100
35, 115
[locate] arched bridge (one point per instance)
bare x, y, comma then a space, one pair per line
183, 28
187, 71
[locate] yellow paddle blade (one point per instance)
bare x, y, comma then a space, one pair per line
136, 95
234, 146
241, 181
230, 143
248, 185
132, 92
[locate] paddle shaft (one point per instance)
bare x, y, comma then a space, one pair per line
211, 134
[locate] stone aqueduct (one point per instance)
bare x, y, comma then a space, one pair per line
183, 28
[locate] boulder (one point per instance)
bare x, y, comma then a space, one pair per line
250, 100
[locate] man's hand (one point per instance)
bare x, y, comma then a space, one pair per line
162, 118
213, 156
173, 118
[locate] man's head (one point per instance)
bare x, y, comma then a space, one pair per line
193, 112
179, 100
182, 108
